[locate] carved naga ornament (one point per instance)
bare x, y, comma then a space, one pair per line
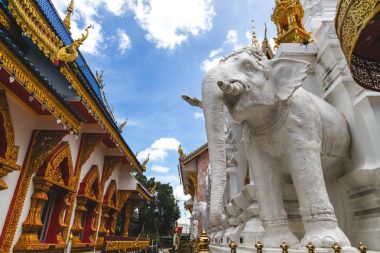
70, 53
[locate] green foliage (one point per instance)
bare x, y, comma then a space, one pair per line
158, 217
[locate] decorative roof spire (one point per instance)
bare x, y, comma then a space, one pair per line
69, 11
181, 153
265, 46
255, 42
123, 124
287, 16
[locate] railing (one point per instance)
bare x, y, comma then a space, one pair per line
125, 244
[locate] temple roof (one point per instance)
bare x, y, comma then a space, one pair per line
194, 154
35, 32
8, 41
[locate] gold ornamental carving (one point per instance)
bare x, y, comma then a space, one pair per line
70, 53
35, 26
67, 19
110, 164
5, 21
87, 193
33, 85
124, 246
89, 143
41, 143
8, 160
352, 16
287, 16
48, 174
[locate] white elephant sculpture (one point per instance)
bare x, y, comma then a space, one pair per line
286, 129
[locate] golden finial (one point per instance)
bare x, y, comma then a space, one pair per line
310, 247
233, 245
287, 16
362, 248
259, 246
99, 77
146, 162
71, 237
284, 246
70, 53
123, 124
153, 188
254, 41
181, 153
336, 247
265, 46
67, 20
203, 243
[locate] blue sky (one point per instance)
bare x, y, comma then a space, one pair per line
152, 52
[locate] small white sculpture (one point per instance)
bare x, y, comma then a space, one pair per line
286, 129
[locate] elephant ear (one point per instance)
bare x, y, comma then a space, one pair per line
287, 75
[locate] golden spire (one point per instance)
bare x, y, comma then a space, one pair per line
153, 188
265, 46
67, 20
255, 42
181, 153
146, 162
287, 16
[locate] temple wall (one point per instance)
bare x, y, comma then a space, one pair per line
354, 191
23, 121
203, 162
96, 158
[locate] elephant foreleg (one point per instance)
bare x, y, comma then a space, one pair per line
267, 177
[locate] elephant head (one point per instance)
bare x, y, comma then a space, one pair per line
244, 81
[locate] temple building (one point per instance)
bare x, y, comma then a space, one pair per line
66, 173
193, 170
339, 40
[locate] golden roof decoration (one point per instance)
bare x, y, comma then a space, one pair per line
181, 153
70, 53
153, 190
265, 45
123, 124
146, 162
67, 19
287, 16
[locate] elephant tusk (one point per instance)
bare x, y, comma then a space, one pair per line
231, 88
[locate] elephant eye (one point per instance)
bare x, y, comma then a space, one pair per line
247, 66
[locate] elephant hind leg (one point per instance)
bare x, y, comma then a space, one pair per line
317, 212
267, 177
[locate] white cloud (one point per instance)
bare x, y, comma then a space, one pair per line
232, 39
167, 179
215, 52
86, 12
124, 41
198, 115
117, 7
210, 63
160, 169
159, 149
214, 57
179, 194
168, 23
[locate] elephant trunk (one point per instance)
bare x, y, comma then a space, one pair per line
233, 88
214, 119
